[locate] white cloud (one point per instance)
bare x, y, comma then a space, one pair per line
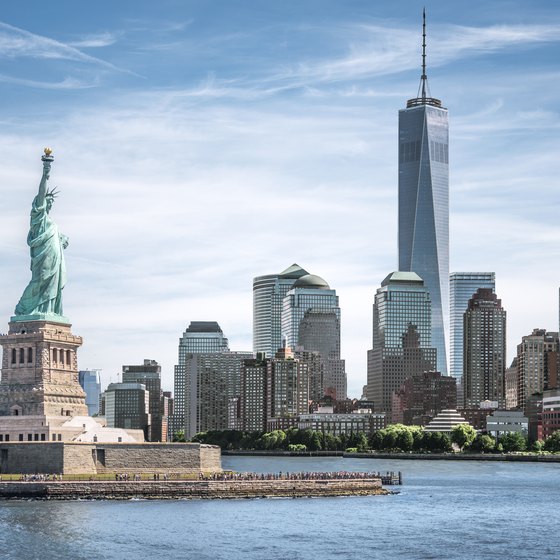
18, 43
97, 40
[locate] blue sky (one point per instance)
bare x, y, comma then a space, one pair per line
200, 144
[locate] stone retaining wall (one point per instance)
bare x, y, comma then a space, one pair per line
97, 458
190, 489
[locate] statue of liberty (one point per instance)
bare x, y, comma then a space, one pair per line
43, 296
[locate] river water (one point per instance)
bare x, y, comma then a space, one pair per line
445, 510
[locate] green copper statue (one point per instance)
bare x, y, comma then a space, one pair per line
42, 299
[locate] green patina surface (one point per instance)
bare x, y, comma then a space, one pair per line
42, 298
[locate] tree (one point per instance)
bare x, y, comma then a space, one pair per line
437, 441
404, 440
179, 436
483, 443
463, 435
513, 441
552, 442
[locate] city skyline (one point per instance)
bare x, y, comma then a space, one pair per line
179, 131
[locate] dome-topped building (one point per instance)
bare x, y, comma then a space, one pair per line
311, 281
311, 323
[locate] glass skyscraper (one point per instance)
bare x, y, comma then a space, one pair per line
311, 321
401, 337
268, 294
424, 202
90, 380
463, 285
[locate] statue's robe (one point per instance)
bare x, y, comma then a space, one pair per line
48, 270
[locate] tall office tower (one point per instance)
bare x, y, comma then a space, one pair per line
311, 322
268, 294
462, 286
127, 405
149, 374
401, 337
535, 368
424, 201
211, 382
200, 336
90, 380
484, 347
319, 336
287, 386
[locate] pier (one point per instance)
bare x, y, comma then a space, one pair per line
216, 486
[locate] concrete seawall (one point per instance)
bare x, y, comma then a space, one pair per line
195, 489
411, 456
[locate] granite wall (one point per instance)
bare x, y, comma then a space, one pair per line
86, 458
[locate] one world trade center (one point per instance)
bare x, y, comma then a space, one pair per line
424, 201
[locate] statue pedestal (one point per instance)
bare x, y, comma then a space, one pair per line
40, 370
46, 317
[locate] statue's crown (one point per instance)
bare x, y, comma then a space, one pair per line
52, 194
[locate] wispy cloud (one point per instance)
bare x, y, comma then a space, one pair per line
18, 43
377, 50
66, 83
94, 41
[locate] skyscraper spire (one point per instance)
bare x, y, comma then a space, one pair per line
423, 96
424, 78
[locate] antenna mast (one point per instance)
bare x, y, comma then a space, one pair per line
423, 96
424, 77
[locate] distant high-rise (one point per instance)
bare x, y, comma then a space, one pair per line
127, 406
149, 374
311, 322
268, 294
90, 380
253, 394
401, 337
211, 382
537, 365
462, 287
199, 337
287, 386
424, 201
484, 348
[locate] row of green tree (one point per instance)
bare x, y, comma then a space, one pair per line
393, 438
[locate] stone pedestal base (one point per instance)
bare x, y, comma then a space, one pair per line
40, 370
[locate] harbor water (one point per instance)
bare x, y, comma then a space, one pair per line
444, 510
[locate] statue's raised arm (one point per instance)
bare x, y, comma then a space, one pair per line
42, 299
47, 159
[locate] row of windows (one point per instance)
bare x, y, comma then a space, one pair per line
22, 354
32, 437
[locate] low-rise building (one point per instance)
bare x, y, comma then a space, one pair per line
337, 424
502, 422
445, 421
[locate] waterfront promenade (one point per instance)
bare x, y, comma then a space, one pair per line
214, 486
